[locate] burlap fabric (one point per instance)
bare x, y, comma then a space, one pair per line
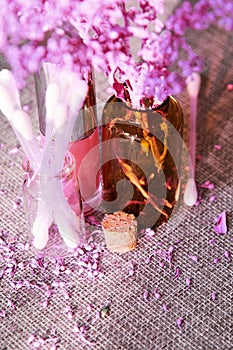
139, 301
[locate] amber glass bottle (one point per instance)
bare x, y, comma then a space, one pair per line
141, 157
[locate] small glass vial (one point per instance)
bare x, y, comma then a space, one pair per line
53, 208
84, 143
141, 157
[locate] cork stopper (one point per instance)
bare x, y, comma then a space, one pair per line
120, 231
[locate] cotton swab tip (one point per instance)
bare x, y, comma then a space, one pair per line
190, 194
41, 240
193, 83
6, 104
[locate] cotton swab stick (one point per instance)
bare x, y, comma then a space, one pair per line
41, 226
44, 217
51, 100
193, 86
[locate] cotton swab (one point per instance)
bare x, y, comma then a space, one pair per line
44, 218
7, 79
193, 86
40, 228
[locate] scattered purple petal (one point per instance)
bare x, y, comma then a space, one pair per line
212, 241
2, 313
227, 255
177, 272
213, 296
212, 198
146, 295
217, 147
216, 261
194, 258
179, 322
31, 338
11, 304
156, 294
188, 282
131, 270
220, 223
14, 150
207, 184
165, 308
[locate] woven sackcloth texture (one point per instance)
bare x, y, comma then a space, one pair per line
138, 300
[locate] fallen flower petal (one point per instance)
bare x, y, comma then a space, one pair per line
227, 255
214, 296
220, 223
179, 322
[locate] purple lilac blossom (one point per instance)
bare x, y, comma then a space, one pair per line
79, 34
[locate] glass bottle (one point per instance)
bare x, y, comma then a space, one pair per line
84, 140
141, 159
41, 198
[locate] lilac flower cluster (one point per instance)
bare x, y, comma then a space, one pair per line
79, 34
